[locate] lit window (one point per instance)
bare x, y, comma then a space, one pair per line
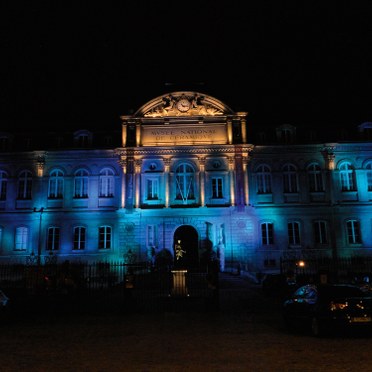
24, 185
353, 232
369, 176
79, 237
106, 183
290, 179
3, 185
81, 184
315, 178
267, 233
53, 238
217, 192
185, 183
105, 235
263, 179
347, 177
320, 232
294, 233
21, 238
152, 189
55, 185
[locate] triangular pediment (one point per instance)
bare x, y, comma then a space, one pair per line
183, 104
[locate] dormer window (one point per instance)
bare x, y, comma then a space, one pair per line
4, 143
83, 138
365, 131
286, 134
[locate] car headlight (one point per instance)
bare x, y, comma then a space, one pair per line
333, 306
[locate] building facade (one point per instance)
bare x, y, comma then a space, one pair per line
185, 182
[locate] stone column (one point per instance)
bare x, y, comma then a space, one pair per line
167, 162
137, 181
138, 134
246, 185
123, 163
229, 131
202, 181
232, 180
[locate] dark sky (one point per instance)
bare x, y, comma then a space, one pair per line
297, 62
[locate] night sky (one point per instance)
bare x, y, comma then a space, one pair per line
296, 62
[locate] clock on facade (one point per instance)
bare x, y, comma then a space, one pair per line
183, 105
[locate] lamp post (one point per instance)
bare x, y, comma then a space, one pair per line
41, 210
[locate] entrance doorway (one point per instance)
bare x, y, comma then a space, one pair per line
186, 247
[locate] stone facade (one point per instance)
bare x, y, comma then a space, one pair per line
186, 173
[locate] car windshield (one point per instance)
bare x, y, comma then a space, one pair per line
340, 291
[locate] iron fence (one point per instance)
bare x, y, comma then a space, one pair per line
104, 285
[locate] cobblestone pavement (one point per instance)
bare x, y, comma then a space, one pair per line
245, 334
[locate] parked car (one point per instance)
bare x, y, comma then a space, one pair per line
279, 284
328, 307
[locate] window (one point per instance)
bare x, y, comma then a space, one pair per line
83, 138
55, 190
315, 178
267, 233
105, 234
217, 188
263, 179
185, 183
79, 237
152, 189
294, 233
290, 179
369, 176
24, 185
4, 143
21, 238
106, 183
347, 177
53, 238
3, 185
353, 232
81, 184
151, 236
320, 232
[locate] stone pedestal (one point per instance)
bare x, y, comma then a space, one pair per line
179, 283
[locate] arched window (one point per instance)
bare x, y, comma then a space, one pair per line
24, 185
83, 138
105, 235
79, 237
106, 183
3, 185
290, 179
21, 238
185, 180
81, 184
369, 176
315, 178
347, 177
55, 190
263, 173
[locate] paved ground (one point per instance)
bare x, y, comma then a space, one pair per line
245, 334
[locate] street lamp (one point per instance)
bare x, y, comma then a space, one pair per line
41, 210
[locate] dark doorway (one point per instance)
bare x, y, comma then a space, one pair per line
186, 248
